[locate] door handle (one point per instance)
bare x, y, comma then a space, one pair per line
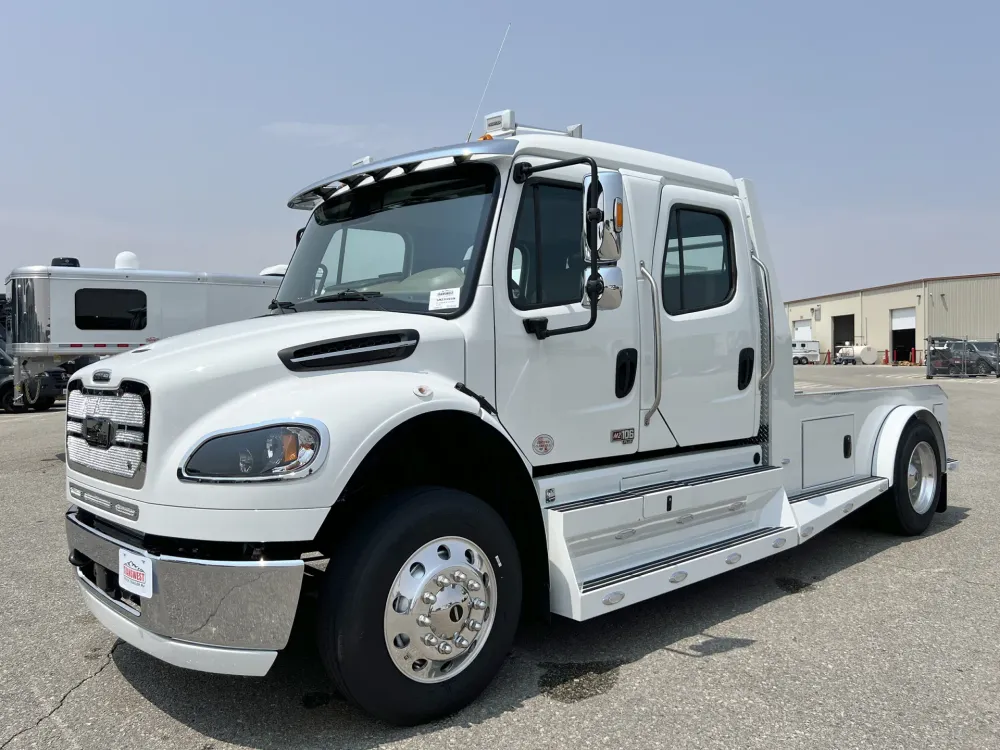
745, 370
625, 372
657, 343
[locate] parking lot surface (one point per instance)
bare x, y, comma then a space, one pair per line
856, 639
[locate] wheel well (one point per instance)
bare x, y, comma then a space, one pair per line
457, 450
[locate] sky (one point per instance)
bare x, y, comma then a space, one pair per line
179, 130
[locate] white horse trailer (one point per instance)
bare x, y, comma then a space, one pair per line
805, 352
62, 314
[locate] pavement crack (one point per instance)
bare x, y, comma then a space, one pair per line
66, 695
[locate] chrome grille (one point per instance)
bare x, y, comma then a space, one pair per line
123, 461
117, 460
126, 409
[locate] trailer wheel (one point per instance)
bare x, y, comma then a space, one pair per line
419, 609
911, 502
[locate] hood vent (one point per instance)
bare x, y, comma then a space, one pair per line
350, 351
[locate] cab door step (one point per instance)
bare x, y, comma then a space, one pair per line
653, 579
740, 474
683, 557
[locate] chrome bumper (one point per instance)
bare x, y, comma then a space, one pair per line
215, 616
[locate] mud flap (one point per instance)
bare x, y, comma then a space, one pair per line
942, 505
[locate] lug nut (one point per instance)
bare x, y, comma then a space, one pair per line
424, 621
428, 598
478, 604
444, 648
475, 626
430, 639
461, 642
474, 586
442, 581
458, 576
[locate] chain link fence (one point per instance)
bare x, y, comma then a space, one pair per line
962, 357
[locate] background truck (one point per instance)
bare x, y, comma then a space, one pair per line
61, 315
463, 445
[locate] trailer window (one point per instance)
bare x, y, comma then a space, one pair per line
698, 269
110, 309
546, 260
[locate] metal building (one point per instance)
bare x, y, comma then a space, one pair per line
898, 318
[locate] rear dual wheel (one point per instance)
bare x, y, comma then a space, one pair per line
419, 609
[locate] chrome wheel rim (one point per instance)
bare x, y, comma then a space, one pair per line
921, 477
440, 609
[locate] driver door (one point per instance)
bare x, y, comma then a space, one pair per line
563, 398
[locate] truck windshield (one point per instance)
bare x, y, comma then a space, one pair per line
413, 241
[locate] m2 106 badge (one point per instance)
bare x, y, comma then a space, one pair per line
624, 436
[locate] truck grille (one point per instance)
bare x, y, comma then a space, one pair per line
106, 432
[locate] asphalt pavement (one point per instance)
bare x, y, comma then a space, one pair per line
855, 640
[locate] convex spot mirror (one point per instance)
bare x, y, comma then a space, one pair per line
611, 297
610, 200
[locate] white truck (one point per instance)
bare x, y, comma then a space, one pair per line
461, 445
61, 314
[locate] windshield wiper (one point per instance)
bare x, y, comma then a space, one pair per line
283, 304
348, 295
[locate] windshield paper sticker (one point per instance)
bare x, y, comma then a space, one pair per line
443, 299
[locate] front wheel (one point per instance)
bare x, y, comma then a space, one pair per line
7, 401
983, 367
419, 609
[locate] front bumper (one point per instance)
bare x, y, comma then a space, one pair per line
229, 617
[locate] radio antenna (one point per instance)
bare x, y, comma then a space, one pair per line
476, 116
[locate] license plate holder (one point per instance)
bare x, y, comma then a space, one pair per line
135, 573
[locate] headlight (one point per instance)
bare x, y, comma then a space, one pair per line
268, 452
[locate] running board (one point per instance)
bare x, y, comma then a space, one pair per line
667, 562
818, 511
647, 581
626, 545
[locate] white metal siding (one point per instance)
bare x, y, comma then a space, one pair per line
904, 319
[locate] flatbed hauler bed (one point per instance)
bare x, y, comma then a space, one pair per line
531, 374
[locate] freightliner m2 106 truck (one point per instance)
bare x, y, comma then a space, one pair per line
525, 375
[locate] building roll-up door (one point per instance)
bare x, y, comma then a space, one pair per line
803, 330
904, 319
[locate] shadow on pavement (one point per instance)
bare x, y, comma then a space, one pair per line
565, 661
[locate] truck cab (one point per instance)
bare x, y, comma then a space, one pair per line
532, 374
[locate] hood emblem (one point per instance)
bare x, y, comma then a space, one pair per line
102, 376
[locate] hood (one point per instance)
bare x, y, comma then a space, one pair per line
245, 354
235, 369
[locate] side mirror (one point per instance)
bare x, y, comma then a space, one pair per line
611, 297
611, 201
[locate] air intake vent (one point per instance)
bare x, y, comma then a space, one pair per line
351, 351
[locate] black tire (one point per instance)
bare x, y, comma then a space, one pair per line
983, 367
43, 404
7, 401
897, 513
360, 577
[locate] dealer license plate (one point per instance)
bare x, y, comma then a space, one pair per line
135, 573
